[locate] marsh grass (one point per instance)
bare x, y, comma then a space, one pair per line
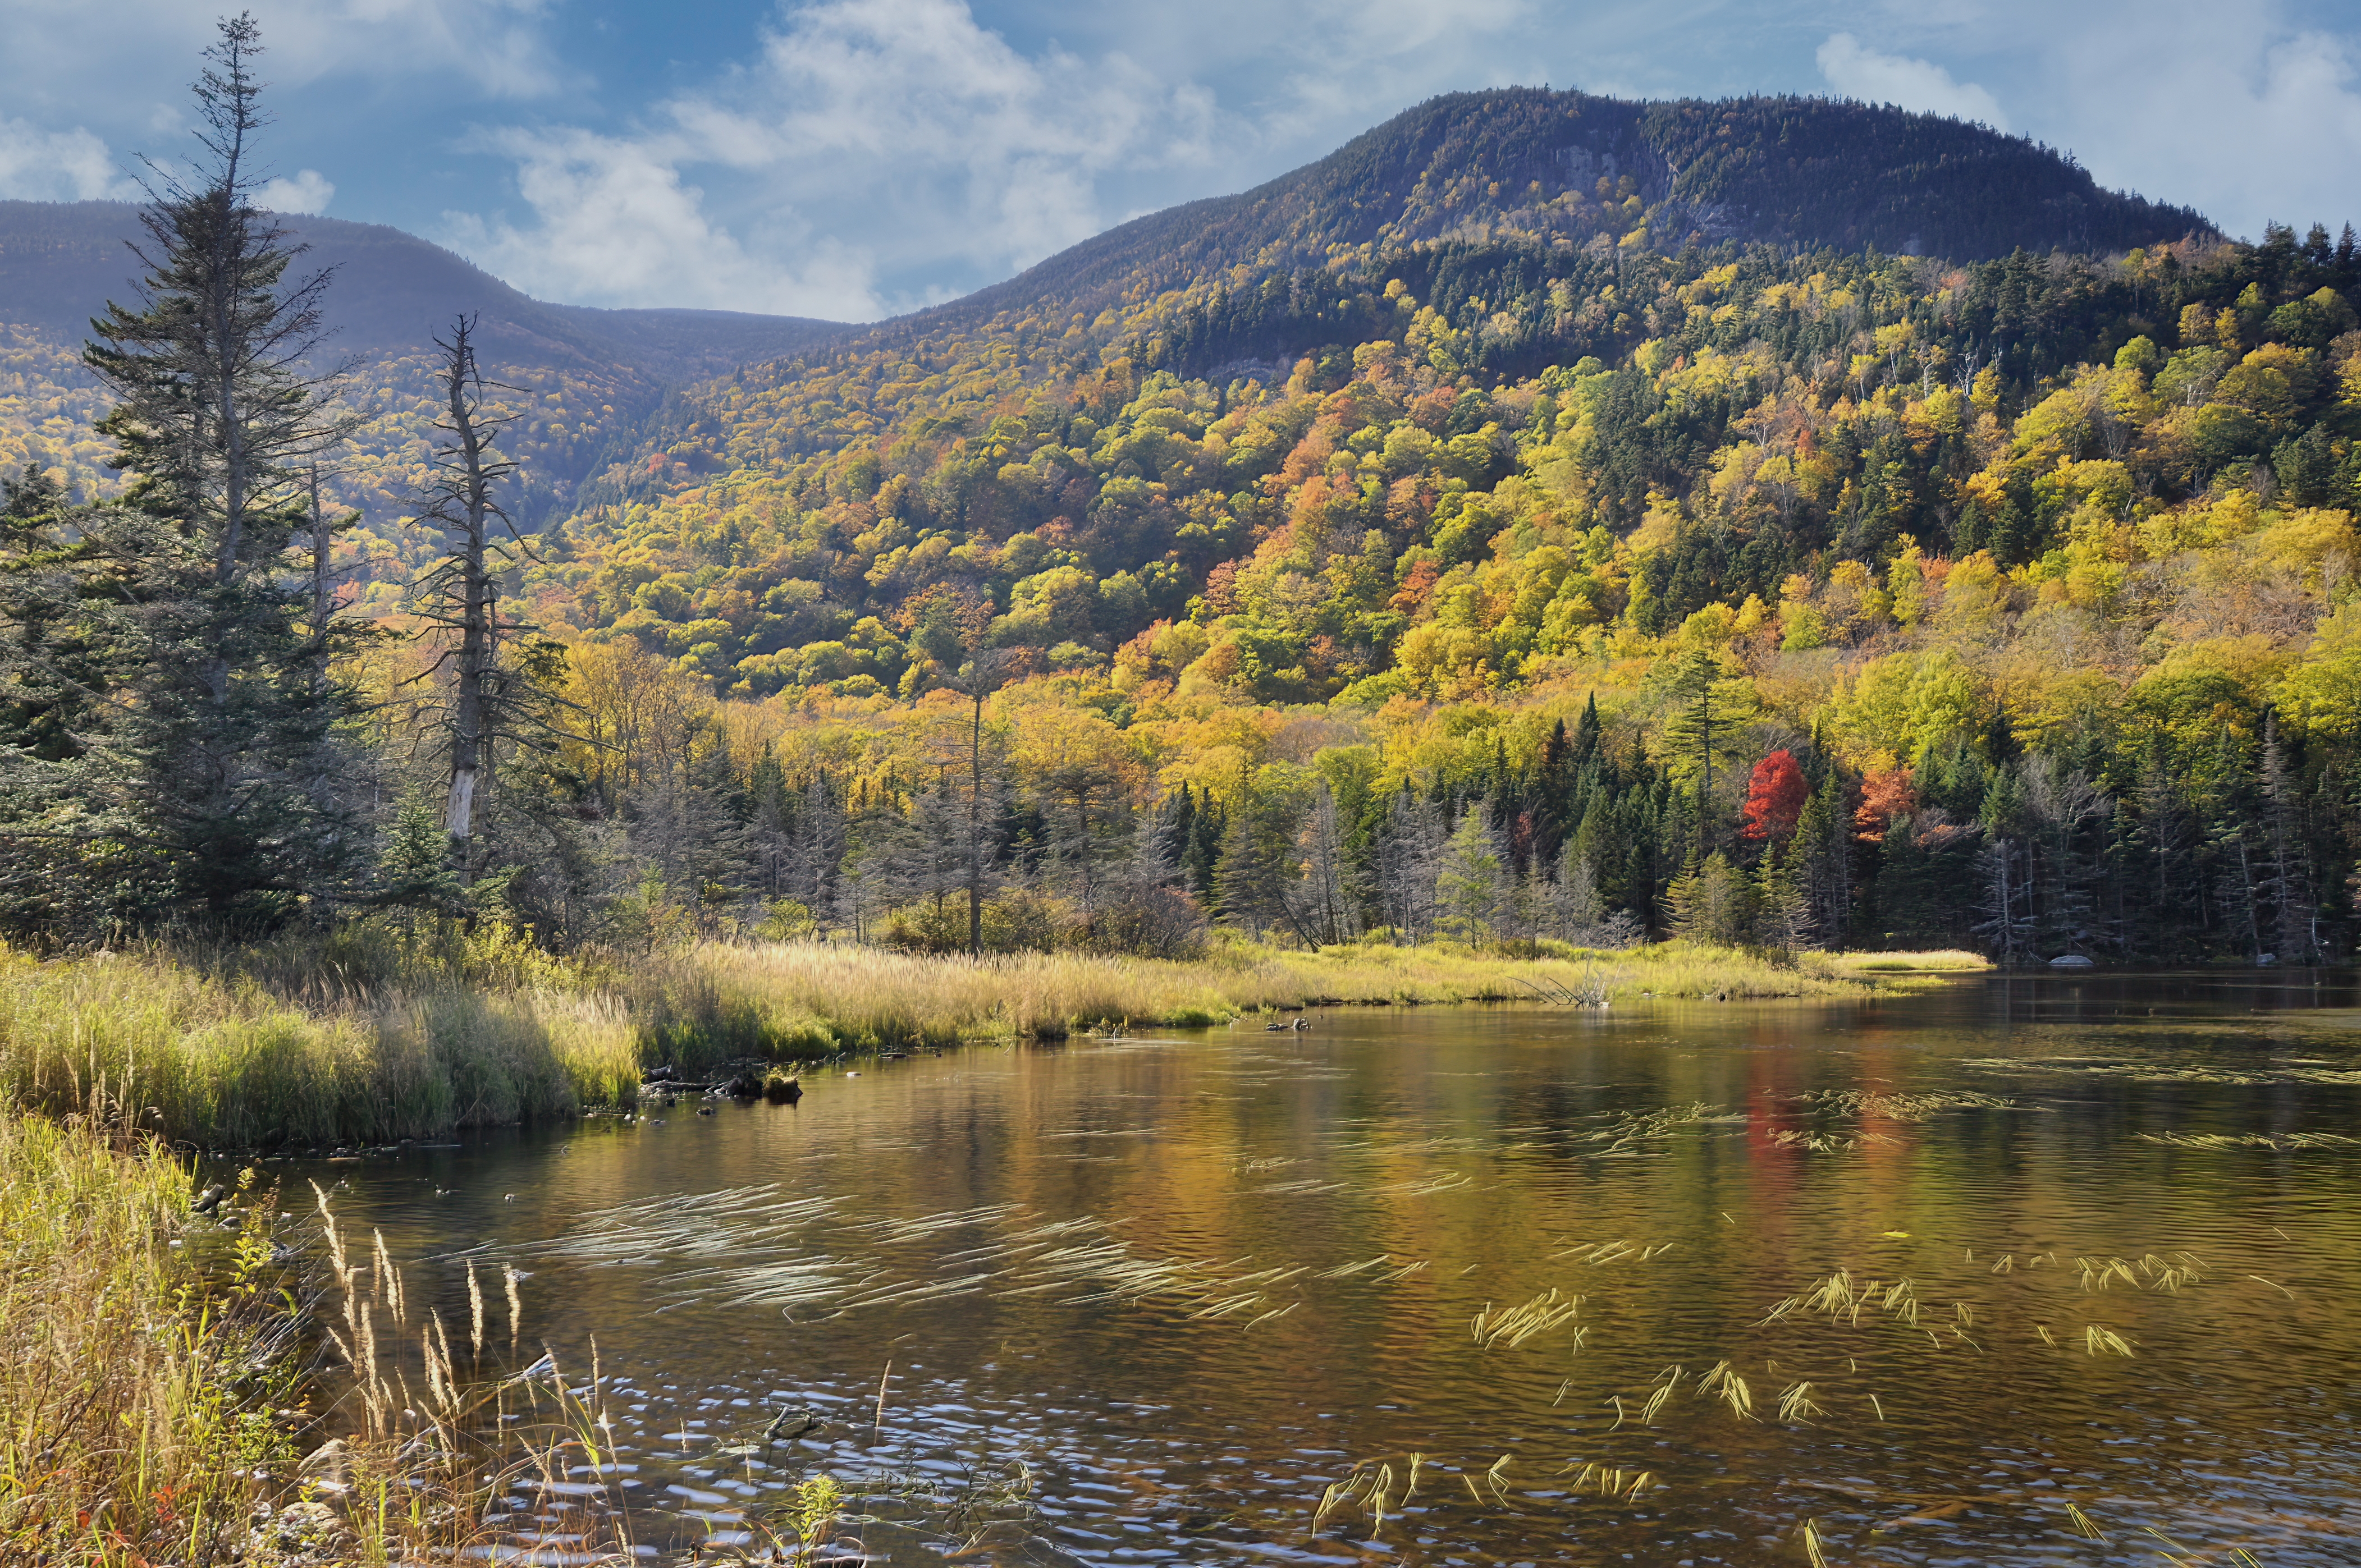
448, 1453
221, 1059
376, 1032
155, 1402
823, 997
142, 1409
1946, 960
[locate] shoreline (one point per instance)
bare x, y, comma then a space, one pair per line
255, 1051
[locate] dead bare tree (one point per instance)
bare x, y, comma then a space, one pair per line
487, 683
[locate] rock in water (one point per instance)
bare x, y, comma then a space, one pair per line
783, 1089
790, 1424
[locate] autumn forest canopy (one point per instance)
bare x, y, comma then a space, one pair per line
1549, 519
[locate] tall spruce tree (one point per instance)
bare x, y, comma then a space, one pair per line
202, 786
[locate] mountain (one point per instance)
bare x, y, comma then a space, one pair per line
1135, 431
1544, 183
591, 373
1775, 522
1568, 166
61, 261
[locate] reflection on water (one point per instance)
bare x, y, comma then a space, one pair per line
1505, 1285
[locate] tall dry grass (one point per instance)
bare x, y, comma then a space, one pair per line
136, 1411
224, 1061
154, 1407
367, 1036
826, 996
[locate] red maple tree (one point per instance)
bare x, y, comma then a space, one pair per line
1774, 797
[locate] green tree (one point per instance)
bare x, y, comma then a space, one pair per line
1783, 906
1469, 885
207, 787
1706, 701
1710, 901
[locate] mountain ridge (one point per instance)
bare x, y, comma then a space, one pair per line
1571, 139
585, 377
394, 289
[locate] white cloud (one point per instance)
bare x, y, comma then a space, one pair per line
309, 191
503, 47
1858, 71
901, 120
2222, 107
56, 166
615, 225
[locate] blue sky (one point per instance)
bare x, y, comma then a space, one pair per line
850, 159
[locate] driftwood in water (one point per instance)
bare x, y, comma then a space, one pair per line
1591, 993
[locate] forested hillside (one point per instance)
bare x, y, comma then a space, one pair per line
1546, 518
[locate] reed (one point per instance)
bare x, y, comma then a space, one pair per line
377, 1032
122, 1441
214, 1058
825, 996
473, 1459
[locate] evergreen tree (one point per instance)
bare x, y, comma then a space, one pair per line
1585, 733
1707, 703
1783, 907
1824, 848
2295, 920
1710, 901
1470, 885
208, 787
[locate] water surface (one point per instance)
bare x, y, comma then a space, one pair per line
1196, 1280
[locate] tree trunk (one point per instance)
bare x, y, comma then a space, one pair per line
975, 827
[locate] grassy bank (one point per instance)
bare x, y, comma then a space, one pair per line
122, 1441
867, 999
223, 1059
370, 1041
155, 1407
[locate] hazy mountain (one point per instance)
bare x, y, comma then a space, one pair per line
60, 262
588, 375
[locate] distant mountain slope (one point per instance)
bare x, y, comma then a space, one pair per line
1682, 344
589, 373
1536, 163
61, 261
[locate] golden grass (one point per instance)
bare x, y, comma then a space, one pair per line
825, 994
151, 1406
1941, 960
225, 1061
122, 1441
368, 1037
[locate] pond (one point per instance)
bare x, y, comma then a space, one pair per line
2009, 1271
